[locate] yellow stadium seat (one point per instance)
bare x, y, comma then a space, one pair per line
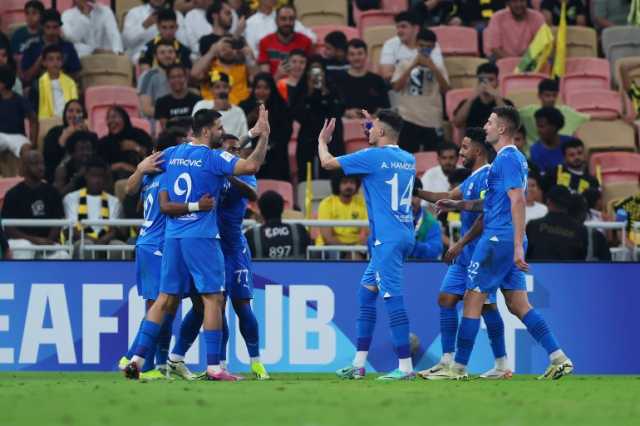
106, 70
314, 12
599, 135
123, 6
462, 71
375, 38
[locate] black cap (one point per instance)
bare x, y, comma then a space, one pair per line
560, 195
51, 15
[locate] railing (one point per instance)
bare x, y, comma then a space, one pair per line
44, 223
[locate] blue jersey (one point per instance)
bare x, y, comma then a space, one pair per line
508, 171
388, 173
152, 229
473, 188
193, 171
231, 213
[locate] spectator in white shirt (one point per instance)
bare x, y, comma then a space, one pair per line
92, 28
436, 179
263, 23
534, 208
233, 119
140, 27
198, 24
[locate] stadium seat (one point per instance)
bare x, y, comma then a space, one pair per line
353, 135
462, 71
374, 18
281, 187
578, 83
12, 12
585, 73
144, 124
514, 82
44, 125
599, 135
322, 31
601, 104
522, 98
122, 7
618, 191
453, 98
375, 38
314, 12
98, 99
615, 166
6, 183
106, 70
620, 42
582, 42
321, 188
457, 41
425, 161
617, 75
507, 66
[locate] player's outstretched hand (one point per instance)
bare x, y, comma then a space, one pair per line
206, 203
452, 253
444, 206
262, 124
151, 164
518, 259
326, 134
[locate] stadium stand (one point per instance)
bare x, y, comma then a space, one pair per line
615, 166
601, 104
283, 188
528, 81
462, 71
98, 99
320, 188
313, 12
106, 70
599, 135
457, 41
425, 161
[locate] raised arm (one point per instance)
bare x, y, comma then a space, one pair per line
169, 208
252, 164
433, 197
518, 207
327, 160
147, 166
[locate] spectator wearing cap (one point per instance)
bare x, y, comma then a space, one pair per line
14, 110
92, 28
54, 88
335, 53
572, 173
219, 16
576, 12
30, 33
420, 84
153, 84
511, 30
32, 60
609, 13
534, 208
180, 101
233, 119
431, 13
167, 23
557, 236
546, 153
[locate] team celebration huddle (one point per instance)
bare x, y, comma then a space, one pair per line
191, 245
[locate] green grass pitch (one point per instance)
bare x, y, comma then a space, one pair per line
315, 400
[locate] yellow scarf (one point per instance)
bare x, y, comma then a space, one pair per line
46, 107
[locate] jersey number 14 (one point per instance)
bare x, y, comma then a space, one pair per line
404, 202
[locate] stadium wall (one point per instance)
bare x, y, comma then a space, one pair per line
66, 316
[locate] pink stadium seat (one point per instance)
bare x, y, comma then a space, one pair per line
599, 103
616, 166
12, 12
142, 123
578, 83
6, 184
98, 99
507, 66
281, 187
322, 31
374, 18
536, 4
395, 6
353, 135
528, 81
457, 41
588, 66
425, 161
453, 99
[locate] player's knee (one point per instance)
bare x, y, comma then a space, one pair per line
517, 306
447, 300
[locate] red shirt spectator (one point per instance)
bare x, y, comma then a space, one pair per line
511, 30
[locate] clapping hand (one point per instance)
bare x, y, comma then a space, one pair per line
151, 164
326, 134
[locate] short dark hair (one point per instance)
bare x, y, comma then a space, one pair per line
458, 175
447, 146
406, 16
168, 138
336, 178
214, 9
552, 115
96, 162
81, 135
535, 176
34, 4
427, 35
560, 196
52, 48
7, 76
548, 85
357, 43
510, 115
180, 123
51, 15
226, 136
286, 6
572, 143
478, 136
592, 195
167, 14
174, 67
164, 43
488, 68
298, 52
336, 39
204, 118
522, 130
578, 207
391, 119
271, 205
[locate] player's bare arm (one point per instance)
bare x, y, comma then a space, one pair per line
448, 205
148, 166
472, 234
205, 203
246, 190
327, 160
518, 203
252, 164
433, 197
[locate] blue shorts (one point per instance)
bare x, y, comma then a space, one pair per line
185, 259
492, 267
385, 269
455, 282
148, 266
239, 274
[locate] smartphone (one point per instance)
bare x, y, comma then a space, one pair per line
426, 51
237, 43
78, 120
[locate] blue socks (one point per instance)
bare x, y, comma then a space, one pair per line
134, 345
164, 340
188, 332
248, 328
224, 338
147, 338
399, 325
448, 329
466, 339
495, 331
366, 321
213, 340
538, 328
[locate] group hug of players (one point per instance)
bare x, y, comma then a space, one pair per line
191, 245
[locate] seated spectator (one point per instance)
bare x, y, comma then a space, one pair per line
546, 153
557, 236
32, 199
167, 23
335, 53
153, 84
631, 86
431, 13
548, 92
576, 12
274, 239
361, 89
427, 228
597, 247
400, 48
92, 28
629, 208
436, 179
55, 141
510, 31
69, 175
345, 203
233, 119
275, 47
292, 86
609, 13
264, 22
535, 209
140, 27
226, 56
32, 60
6, 58
420, 85
180, 101
30, 33
264, 92
54, 88
93, 202
573, 172
477, 13
219, 15
475, 111
593, 197
124, 146
14, 110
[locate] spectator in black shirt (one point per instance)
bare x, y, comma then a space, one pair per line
5, 253
335, 53
432, 13
167, 23
69, 175
597, 248
274, 239
360, 88
180, 101
476, 13
557, 236
220, 17
14, 110
573, 172
33, 198
576, 12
